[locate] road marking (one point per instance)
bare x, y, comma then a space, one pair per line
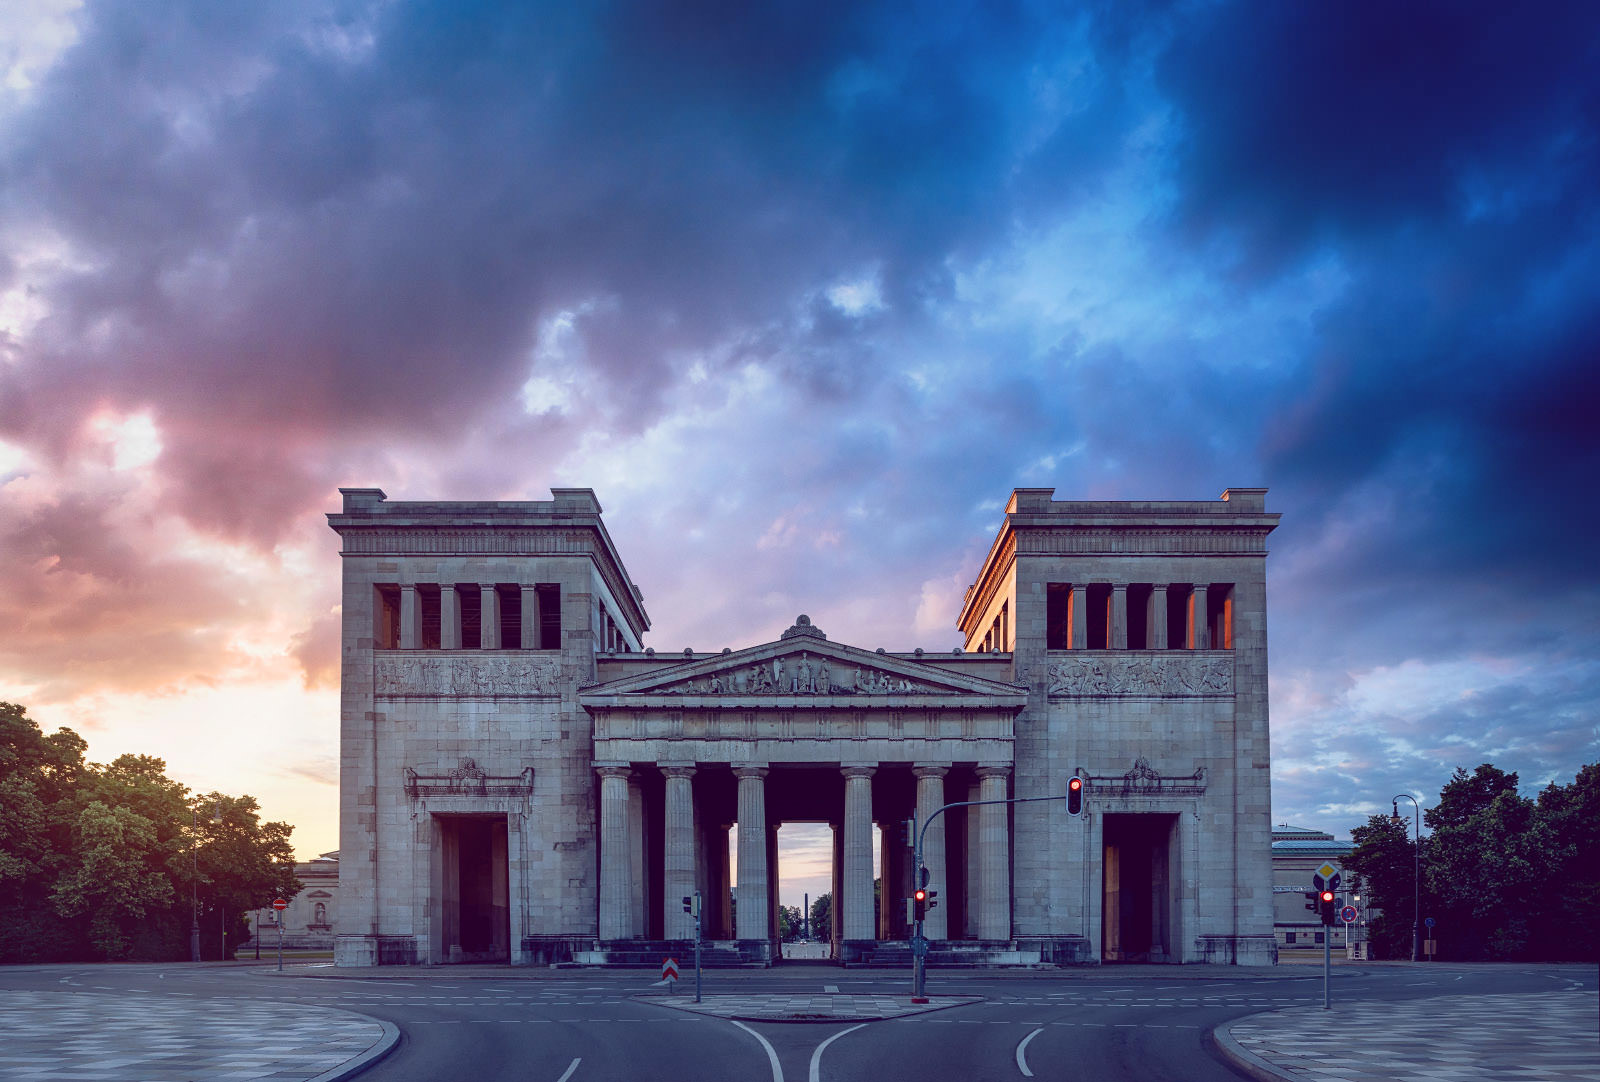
1022, 1059
816, 1057
571, 1067
772, 1053
830, 988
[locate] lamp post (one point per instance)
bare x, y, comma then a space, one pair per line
1416, 865
194, 876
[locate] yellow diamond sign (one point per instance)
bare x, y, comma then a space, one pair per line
1327, 871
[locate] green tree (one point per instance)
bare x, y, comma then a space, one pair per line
1567, 923
117, 877
1384, 858
788, 922
822, 916
1488, 861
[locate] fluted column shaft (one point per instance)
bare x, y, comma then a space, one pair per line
1119, 616
677, 873
488, 617
616, 862
410, 617
858, 852
1156, 623
1199, 617
530, 617
930, 798
994, 914
751, 912
1079, 610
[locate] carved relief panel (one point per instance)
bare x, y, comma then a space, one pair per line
464, 674
1167, 675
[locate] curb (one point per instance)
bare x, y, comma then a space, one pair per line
811, 1019
386, 1043
1248, 1062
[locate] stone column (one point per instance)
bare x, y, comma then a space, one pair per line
724, 929
1156, 621
449, 617
887, 880
488, 617
836, 899
616, 861
678, 858
994, 910
1200, 613
530, 617
857, 853
973, 898
772, 892
410, 617
1080, 617
751, 913
638, 858
1119, 616
930, 797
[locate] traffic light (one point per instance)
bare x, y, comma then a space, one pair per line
1325, 904
919, 902
933, 898
1075, 796
1311, 900
688, 903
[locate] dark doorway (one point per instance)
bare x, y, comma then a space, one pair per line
1139, 874
472, 885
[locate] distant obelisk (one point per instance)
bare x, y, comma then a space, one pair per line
805, 918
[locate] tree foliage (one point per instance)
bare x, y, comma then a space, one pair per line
1505, 877
822, 916
118, 861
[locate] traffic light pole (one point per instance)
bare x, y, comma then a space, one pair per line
919, 944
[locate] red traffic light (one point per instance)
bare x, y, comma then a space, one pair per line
1074, 795
1327, 895
1075, 784
921, 895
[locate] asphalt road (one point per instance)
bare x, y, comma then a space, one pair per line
1147, 1024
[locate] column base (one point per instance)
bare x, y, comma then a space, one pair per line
374, 950
1061, 950
1236, 950
551, 950
650, 953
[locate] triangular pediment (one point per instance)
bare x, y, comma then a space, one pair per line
802, 664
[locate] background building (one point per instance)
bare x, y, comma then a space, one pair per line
308, 923
1296, 853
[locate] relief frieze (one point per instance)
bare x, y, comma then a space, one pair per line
1166, 675
799, 674
464, 674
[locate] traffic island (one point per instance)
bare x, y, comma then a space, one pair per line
807, 1008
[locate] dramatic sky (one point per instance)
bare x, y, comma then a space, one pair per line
803, 292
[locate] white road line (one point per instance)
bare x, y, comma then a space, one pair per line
571, 1067
772, 1053
1022, 1059
830, 988
816, 1057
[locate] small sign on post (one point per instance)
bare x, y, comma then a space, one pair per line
669, 972
278, 906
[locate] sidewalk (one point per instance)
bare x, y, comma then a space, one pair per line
1537, 1037
111, 1038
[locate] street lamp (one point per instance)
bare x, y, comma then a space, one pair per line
194, 877
1416, 865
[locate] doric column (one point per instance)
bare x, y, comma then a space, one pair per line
857, 852
836, 898
773, 923
410, 617
1199, 629
616, 862
1080, 617
1119, 616
930, 798
994, 856
488, 617
678, 859
724, 928
887, 880
1156, 622
751, 912
530, 617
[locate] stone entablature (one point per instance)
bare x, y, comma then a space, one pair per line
1098, 673
457, 674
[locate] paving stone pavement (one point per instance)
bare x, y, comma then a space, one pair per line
1539, 1037
63, 1036
808, 1008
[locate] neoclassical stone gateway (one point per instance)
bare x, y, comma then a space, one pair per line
522, 781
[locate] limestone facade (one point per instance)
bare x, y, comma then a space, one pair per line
522, 780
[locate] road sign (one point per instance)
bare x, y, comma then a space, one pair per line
1325, 878
669, 969
1428, 921
919, 946
1348, 914
280, 905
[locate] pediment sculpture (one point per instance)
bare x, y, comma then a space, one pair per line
800, 674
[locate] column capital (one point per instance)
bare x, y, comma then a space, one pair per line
1119, 586
408, 586
994, 770
678, 770
1159, 587
930, 770
750, 770
614, 770
858, 770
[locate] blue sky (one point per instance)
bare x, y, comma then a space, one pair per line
803, 291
